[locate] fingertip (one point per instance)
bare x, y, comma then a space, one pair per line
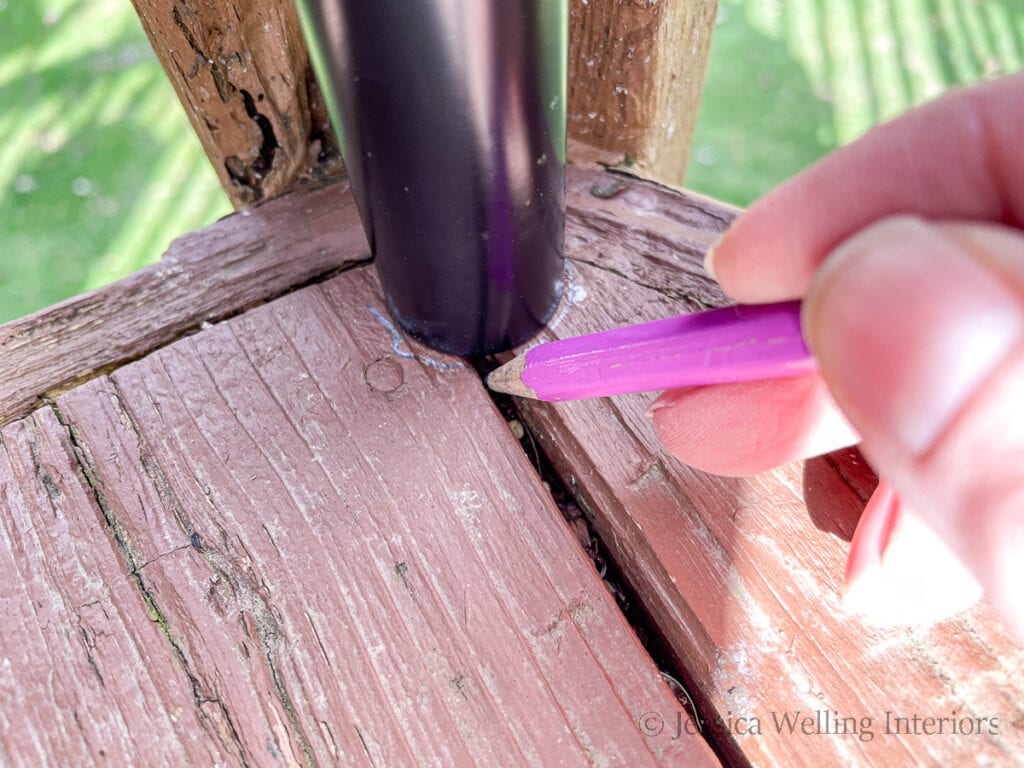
665, 400
906, 324
919, 329
759, 258
744, 428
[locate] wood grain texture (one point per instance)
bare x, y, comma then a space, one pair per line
333, 554
86, 675
242, 73
636, 70
279, 540
743, 576
205, 275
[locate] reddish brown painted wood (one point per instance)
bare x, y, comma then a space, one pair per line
496, 631
242, 73
205, 275
350, 557
86, 675
636, 71
743, 577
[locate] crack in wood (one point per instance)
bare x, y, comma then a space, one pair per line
162, 555
363, 742
723, 213
45, 478
247, 590
250, 174
289, 709
221, 722
263, 164
90, 645
190, 38
48, 396
319, 641
675, 295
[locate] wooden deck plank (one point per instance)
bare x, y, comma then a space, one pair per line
357, 574
743, 576
206, 275
86, 676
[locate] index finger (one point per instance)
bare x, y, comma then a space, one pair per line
961, 156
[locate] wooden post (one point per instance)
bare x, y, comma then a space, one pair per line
635, 75
242, 73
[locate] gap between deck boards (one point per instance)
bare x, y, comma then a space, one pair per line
632, 608
49, 397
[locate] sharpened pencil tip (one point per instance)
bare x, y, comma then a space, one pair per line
508, 379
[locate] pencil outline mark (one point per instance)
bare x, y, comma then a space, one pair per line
396, 342
573, 294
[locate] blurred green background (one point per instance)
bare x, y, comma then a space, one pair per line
99, 169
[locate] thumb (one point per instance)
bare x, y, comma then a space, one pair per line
919, 331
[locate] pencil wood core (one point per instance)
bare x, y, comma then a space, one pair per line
508, 379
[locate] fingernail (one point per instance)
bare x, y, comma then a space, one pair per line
871, 537
664, 400
709, 261
899, 572
906, 324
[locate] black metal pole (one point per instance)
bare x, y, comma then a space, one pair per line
451, 115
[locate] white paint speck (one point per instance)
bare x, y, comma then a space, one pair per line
467, 503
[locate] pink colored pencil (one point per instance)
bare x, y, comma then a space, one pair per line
739, 343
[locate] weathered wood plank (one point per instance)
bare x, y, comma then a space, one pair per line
347, 550
743, 577
205, 275
636, 71
242, 73
86, 675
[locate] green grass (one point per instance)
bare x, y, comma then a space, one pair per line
789, 80
99, 169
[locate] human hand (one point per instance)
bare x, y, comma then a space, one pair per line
906, 247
